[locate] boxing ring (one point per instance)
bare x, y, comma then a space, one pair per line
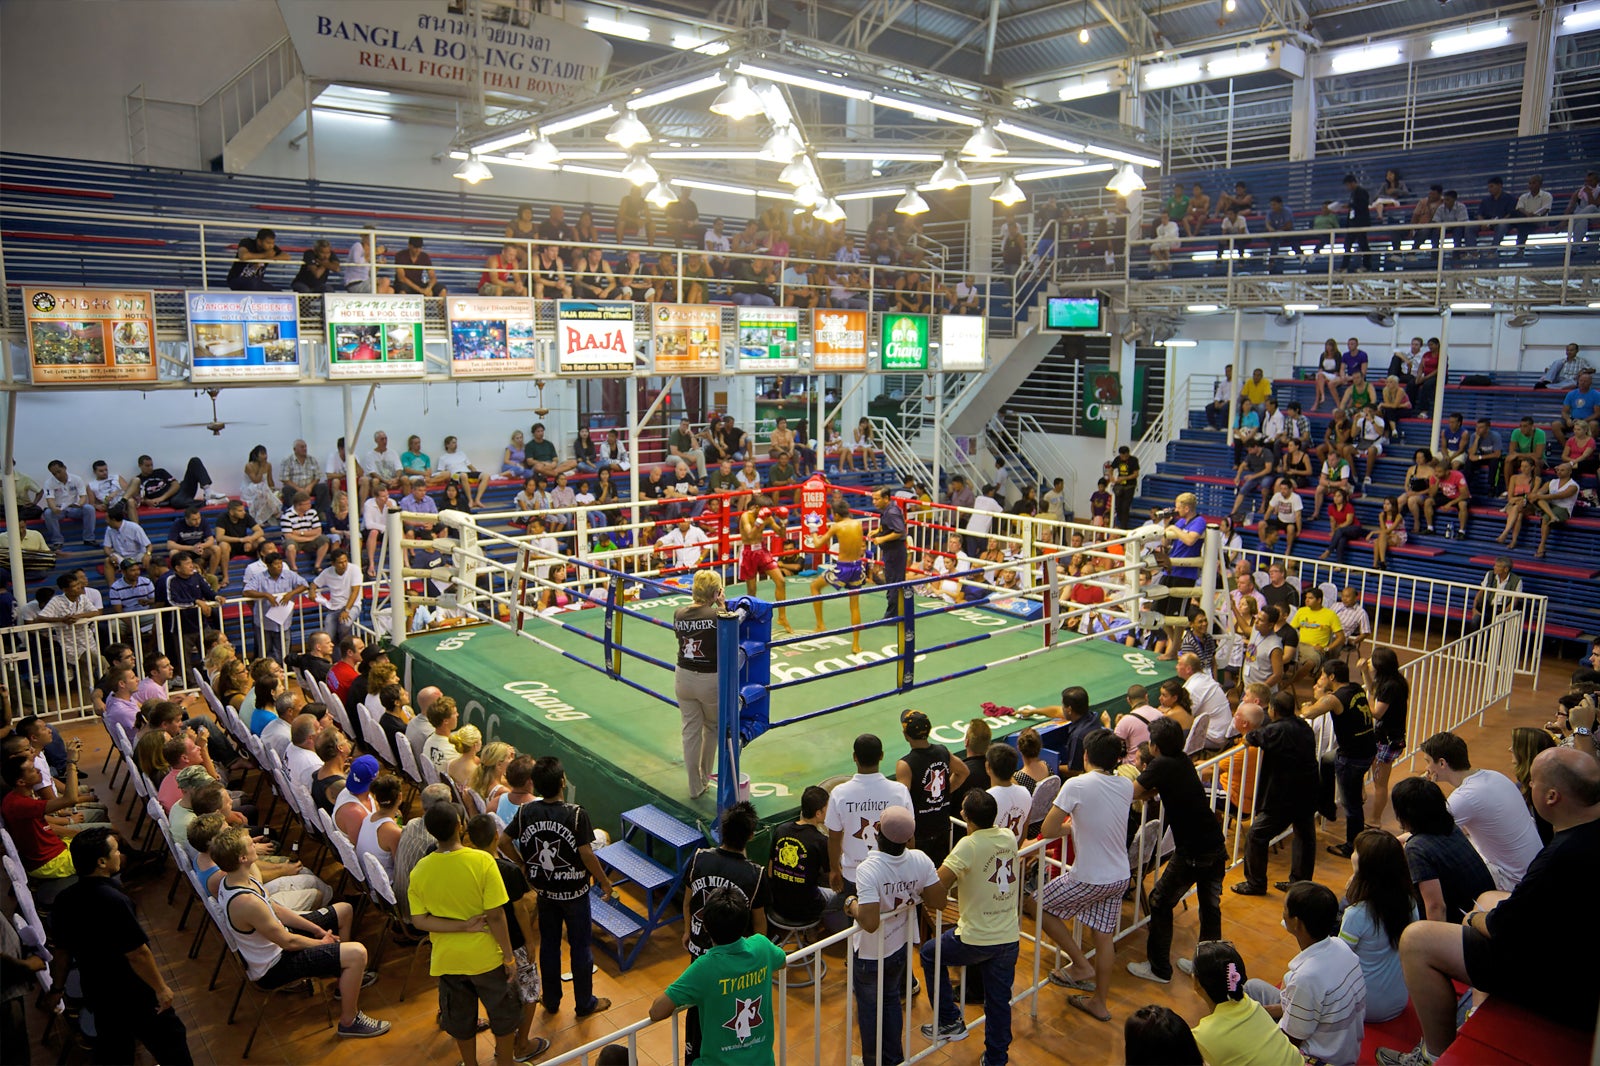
590, 679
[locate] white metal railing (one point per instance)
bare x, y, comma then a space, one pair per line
898, 452
1193, 392
1409, 611
1457, 681
225, 112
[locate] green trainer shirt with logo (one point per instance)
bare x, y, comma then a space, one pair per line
731, 985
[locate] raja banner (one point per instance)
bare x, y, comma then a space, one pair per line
491, 336
377, 336
769, 339
905, 343
963, 342
594, 337
243, 336
433, 46
90, 336
839, 342
686, 339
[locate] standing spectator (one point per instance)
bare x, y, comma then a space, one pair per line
730, 982
1124, 485
932, 777
1356, 741
1517, 948
1090, 892
891, 542
1184, 533
94, 921
1449, 873
555, 842
1210, 707
1483, 803
1285, 797
456, 896
1199, 857
854, 808
1389, 694
893, 877
1491, 598
1382, 902
338, 593
711, 869
1278, 220
982, 867
1322, 1003
1358, 219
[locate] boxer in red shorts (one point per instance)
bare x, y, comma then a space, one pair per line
758, 520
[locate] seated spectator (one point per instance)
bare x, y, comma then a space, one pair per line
302, 530
611, 456
1199, 211
1579, 406
1158, 1036
550, 274
1382, 902
1585, 203
1422, 215
1238, 1029
1393, 193
554, 227
414, 271
1241, 199
717, 245
1448, 872
1321, 1006
1166, 240
1483, 804
540, 455
683, 220
503, 273
636, 280
1452, 214
1324, 222
1520, 948
24, 812
192, 533
754, 283
249, 270
66, 495
1494, 207
697, 274
634, 218
416, 463
357, 274
1535, 203
317, 266
522, 227
1235, 225
1556, 500
592, 278
797, 290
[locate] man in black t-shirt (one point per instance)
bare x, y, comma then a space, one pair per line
482, 833
798, 868
249, 270
1279, 592
724, 866
94, 921
1199, 856
1535, 947
1285, 796
555, 842
932, 778
1357, 743
1124, 485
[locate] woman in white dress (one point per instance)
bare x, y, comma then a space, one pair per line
259, 493
1329, 366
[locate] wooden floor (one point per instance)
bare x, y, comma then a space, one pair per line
295, 1029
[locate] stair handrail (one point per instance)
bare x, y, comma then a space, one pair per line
1151, 447
1035, 270
897, 451
1044, 456
280, 57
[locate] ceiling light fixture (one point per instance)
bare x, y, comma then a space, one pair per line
984, 143
1299, 309
828, 211
889, 156
1011, 129
542, 151
1126, 181
1471, 41
927, 111
782, 146
675, 92
1008, 192
1575, 21
738, 101
810, 195
640, 172
563, 125
474, 170
911, 203
661, 195
1234, 64
831, 86
691, 43
799, 172
1063, 172
949, 175
1230, 6
1359, 59
628, 131
351, 112
1085, 88
1167, 75
613, 28
1083, 35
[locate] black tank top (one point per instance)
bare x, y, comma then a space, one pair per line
930, 788
696, 630
713, 868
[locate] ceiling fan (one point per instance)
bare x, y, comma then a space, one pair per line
216, 425
541, 410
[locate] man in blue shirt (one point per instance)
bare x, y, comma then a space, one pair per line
1454, 440
1278, 220
1185, 534
1352, 362
192, 533
1488, 450
1582, 404
1497, 205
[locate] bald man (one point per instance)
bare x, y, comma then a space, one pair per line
1534, 947
418, 730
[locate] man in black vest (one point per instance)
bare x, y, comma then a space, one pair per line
724, 866
932, 778
1356, 742
1286, 795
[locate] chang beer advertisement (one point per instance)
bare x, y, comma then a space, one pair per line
1102, 389
769, 339
904, 344
377, 336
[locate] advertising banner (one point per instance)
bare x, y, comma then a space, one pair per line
1102, 389
963, 342
593, 337
376, 336
243, 336
839, 342
813, 510
769, 339
491, 336
686, 339
90, 336
904, 343
433, 46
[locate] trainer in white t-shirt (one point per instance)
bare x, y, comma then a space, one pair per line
892, 881
1015, 802
853, 810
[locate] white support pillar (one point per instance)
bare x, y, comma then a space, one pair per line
1438, 382
938, 436
19, 586
1119, 420
1538, 74
980, 230
632, 385
352, 487
1238, 372
399, 623
1303, 119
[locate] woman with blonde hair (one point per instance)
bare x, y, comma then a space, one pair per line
1526, 743
489, 779
220, 655
468, 741
695, 679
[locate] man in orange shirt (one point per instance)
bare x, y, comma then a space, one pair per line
1238, 778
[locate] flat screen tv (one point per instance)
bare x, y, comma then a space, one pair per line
1072, 314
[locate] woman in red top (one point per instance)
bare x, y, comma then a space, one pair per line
1343, 524
1427, 370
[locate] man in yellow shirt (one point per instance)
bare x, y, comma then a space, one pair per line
1321, 632
456, 895
1257, 389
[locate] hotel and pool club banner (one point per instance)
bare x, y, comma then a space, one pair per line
90, 336
594, 337
686, 339
377, 336
243, 336
491, 336
839, 342
769, 339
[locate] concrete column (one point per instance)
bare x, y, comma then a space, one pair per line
1538, 74
980, 231
1303, 119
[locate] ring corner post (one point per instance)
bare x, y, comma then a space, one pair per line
1209, 561
728, 738
398, 623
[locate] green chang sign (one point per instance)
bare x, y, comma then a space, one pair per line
905, 343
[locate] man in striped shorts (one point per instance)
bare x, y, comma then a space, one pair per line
1091, 890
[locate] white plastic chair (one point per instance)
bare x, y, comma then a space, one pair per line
408, 761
